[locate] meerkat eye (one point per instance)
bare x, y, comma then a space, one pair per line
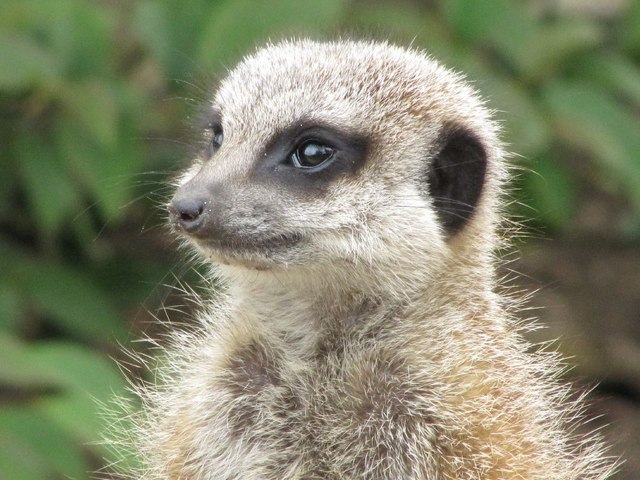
216, 136
311, 153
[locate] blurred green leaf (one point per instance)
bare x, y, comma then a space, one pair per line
17, 368
629, 30
552, 190
78, 369
546, 52
9, 307
48, 40
93, 106
235, 26
508, 26
76, 414
53, 451
69, 296
91, 383
49, 429
52, 195
615, 73
81, 35
404, 22
18, 461
153, 26
117, 172
170, 32
102, 159
24, 63
82, 156
591, 121
73, 301
479, 20
19, 15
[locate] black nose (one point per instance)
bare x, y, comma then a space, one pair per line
187, 213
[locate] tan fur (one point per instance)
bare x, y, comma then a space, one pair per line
378, 347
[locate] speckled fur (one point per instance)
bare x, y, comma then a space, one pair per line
378, 347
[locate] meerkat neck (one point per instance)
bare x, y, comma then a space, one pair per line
298, 303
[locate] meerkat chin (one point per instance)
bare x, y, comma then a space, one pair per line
347, 195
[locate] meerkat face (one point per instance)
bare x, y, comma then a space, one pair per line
334, 152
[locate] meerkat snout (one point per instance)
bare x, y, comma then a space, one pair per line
187, 213
199, 209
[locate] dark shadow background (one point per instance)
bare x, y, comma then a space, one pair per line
95, 101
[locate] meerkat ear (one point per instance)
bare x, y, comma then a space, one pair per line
456, 176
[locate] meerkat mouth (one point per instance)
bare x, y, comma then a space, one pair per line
237, 246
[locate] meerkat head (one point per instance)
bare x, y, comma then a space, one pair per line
345, 153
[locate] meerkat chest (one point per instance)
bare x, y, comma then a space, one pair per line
346, 414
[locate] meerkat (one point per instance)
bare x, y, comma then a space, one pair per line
347, 196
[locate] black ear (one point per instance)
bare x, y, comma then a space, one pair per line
456, 176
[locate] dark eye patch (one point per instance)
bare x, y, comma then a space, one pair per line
209, 124
338, 152
215, 138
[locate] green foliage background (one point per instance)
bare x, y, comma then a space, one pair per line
93, 97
